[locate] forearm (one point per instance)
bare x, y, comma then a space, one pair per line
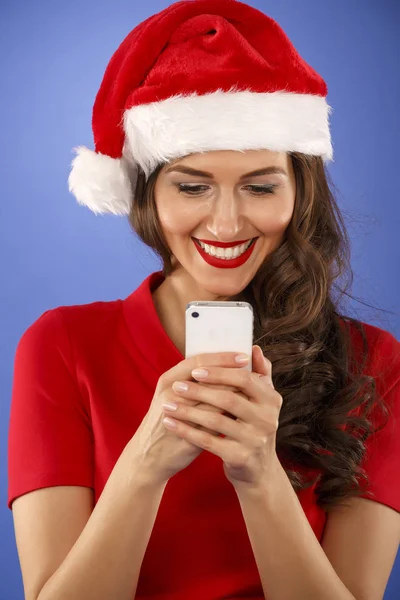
106, 559
290, 560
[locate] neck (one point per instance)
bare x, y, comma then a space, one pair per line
170, 300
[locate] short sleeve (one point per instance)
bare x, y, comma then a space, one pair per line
50, 440
382, 457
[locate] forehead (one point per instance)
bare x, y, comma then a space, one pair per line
232, 162
233, 156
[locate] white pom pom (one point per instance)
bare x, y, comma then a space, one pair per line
100, 182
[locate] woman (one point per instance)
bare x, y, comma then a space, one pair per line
209, 129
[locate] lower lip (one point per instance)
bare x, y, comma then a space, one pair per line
228, 263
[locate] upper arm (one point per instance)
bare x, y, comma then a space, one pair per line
50, 435
47, 523
361, 543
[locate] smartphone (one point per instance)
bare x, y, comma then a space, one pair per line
212, 326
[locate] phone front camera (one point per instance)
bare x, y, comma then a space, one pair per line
195, 315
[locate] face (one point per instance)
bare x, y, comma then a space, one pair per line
223, 203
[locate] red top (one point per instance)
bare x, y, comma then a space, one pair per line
84, 378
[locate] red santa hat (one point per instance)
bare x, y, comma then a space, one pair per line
200, 75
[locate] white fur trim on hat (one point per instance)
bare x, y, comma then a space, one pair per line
234, 120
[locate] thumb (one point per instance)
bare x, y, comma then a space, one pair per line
259, 362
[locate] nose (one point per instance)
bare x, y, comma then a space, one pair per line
225, 220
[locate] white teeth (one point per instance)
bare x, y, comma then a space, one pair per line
225, 253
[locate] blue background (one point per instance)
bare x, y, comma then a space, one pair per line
54, 252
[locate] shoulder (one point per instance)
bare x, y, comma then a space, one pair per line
381, 362
88, 323
88, 318
379, 349
373, 333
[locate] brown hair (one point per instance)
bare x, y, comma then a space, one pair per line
299, 327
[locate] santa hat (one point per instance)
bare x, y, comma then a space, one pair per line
200, 75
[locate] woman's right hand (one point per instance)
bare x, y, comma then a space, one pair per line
156, 450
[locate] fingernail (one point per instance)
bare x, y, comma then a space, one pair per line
242, 358
199, 373
169, 422
178, 386
170, 406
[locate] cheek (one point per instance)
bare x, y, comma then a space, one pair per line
175, 221
179, 217
275, 219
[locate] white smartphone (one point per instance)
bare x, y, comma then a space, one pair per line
212, 326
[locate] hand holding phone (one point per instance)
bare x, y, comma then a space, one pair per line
219, 326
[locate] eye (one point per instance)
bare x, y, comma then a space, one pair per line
190, 189
257, 190
261, 190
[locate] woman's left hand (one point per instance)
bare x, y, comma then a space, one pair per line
249, 448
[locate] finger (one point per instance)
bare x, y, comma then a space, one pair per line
182, 371
225, 448
204, 406
259, 362
210, 421
261, 365
210, 431
250, 384
224, 401
194, 402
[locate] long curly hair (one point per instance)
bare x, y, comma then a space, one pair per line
327, 398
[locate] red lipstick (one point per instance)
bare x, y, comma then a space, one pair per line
227, 263
224, 244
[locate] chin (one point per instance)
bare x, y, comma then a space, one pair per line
224, 285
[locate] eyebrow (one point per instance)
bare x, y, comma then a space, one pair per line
273, 170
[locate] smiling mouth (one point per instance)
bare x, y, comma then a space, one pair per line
252, 242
